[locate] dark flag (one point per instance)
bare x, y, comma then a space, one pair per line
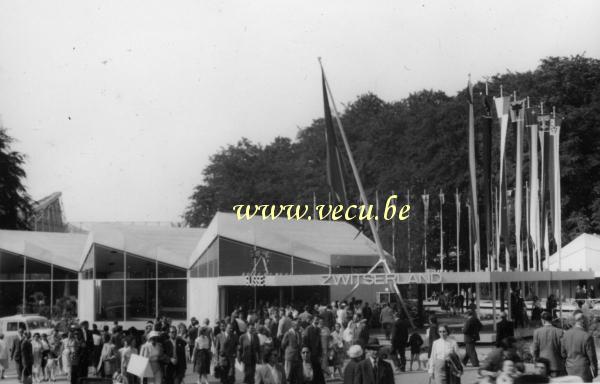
487, 175
335, 173
473, 174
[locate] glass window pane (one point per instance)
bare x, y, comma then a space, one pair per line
37, 270
109, 263
64, 302
141, 299
11, 266
172, 298
201, 266
63, 273
109, 299
11, 298
37, 295
140, 268
304, 267
276, 263
169, 271
87, 271
235, 258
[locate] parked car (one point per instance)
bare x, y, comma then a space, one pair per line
10, 325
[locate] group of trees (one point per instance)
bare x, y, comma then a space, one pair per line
15, 203
419, 144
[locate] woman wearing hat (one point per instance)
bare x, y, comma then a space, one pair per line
441, 363
153, 350
355, 354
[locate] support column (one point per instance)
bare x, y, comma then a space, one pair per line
494, 305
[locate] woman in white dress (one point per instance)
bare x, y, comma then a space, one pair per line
153, 350
66, 354
440, 350
3, 356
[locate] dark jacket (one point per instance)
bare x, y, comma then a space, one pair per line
399, 334
179, 353
366, 374
312, 339
471, 329
291, 346
226, 344
296, 376
504, 329
547, 344
15, 352
579, 352
248, 349
351, 372
26, 352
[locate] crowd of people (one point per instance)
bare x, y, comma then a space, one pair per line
287, 345
274, 345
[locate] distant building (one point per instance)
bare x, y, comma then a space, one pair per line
48, 214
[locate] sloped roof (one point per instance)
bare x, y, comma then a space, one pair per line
46, 201
313, 240
582, 253
62, 249
169, 245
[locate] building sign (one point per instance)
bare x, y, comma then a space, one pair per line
382, 278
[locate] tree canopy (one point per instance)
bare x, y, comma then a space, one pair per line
419, 144
15, 203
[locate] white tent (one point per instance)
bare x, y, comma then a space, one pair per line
581, 254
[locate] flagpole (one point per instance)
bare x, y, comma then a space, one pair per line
382, 260
408, 235
425, 198
457, 196
442, 234
394, 235
557, 206
470, 236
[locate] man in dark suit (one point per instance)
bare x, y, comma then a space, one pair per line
248, 353
579, 351
547, 344
373, 369
26, 355
471, 333
174, 349
312, 340
399, 340
15, 352
504, 329
87, 351
290, 344
226, 345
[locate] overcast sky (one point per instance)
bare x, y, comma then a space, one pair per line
119, 104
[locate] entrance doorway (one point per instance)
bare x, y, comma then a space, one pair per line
251, 297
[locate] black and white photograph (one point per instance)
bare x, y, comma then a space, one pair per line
299, 192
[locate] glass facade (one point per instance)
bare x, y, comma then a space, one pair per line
236, 260
130, 287
28, 285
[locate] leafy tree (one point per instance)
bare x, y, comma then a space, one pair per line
15, 203
420, 143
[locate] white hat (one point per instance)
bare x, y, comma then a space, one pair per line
153, 334
355, 351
